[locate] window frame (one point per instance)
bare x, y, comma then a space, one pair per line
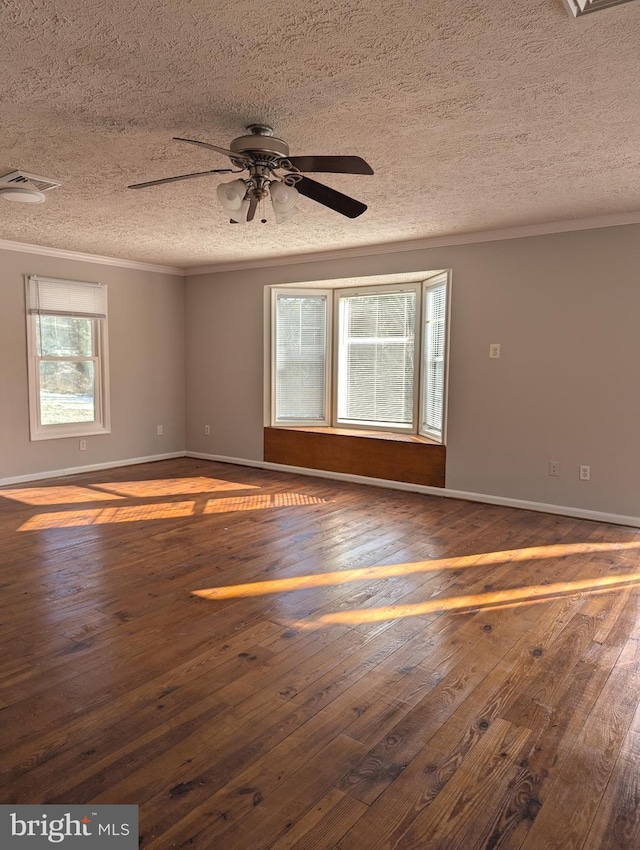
440, 280
101, 424
334, 295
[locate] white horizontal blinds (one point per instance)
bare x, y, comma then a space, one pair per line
300, 358
66, 298
376, 358
435, 312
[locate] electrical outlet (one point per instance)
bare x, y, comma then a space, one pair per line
554, 467
494, 350
207, 430
585, 473
83, 445
159, 430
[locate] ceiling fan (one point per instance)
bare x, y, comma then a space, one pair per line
273, 173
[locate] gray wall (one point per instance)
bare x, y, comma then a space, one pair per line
146, 360
565, 309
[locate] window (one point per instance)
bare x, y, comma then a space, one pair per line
434, 359
388, 349
300, 322
67, 347
376, 345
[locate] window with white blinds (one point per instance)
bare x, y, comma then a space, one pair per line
376, 366
300, 357
55, 297
381, 364
434, 352
67, 364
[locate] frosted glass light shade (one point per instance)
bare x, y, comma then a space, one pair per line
240, 216
283, 200
232, 199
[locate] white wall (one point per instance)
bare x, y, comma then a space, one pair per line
146, 359
565, 309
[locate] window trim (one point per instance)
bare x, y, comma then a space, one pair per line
100, 356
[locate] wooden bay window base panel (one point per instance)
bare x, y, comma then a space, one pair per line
406, 458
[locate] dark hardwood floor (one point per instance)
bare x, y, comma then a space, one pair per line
270, 661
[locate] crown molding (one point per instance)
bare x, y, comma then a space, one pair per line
522, 232
613, 220
64, 254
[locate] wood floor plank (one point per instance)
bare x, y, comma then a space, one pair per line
294, 797
458, 818
547, 749
589, 766
324, 825
617, 820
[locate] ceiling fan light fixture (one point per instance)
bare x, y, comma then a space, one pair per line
23, 194
283, 200
232, 197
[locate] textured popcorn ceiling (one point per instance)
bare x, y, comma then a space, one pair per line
474, 116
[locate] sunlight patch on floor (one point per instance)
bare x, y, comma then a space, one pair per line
255, 503
101, 516
173, 487
65, 495
164, 510
521, 595
283, 585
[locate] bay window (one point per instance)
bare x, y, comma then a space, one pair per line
368, 358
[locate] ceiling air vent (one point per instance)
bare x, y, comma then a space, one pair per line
583, 7
23, 178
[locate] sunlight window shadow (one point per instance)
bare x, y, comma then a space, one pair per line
163, 510
59, 495
173, 487
256, 503
519, 596
103, 516
284, 585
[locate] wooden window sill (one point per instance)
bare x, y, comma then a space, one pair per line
394, 436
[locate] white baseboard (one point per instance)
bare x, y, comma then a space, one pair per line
75, 470
541, 507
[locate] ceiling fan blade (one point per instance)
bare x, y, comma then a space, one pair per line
180, 177
331, 164
224, 151
253, 206
330, 197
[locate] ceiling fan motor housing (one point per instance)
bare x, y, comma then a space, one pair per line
260, 141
